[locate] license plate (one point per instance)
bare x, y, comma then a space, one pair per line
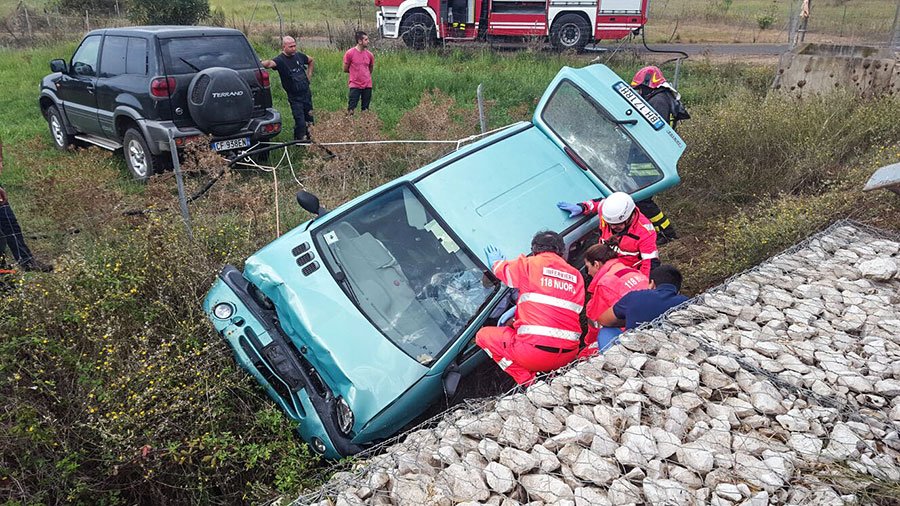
225, 145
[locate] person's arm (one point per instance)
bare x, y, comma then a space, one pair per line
309, 68
609, 318
371, 62
2, 191
648, 250
347, 62
269, 64
509, 271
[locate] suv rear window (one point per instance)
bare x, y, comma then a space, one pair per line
186, 55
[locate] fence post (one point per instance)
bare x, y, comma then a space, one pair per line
481, 119
895, 32
27, 21
87, 22
182, 200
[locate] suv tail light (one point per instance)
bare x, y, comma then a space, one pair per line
262, 77
162, 87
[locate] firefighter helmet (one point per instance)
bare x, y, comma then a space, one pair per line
649, 76
617, 208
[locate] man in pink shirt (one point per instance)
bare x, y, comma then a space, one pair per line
358, 62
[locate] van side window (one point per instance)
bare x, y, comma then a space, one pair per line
112, 57
84, 62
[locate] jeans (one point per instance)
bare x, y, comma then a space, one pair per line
356, 94
11, 235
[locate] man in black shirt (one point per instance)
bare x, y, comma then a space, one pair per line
295, 70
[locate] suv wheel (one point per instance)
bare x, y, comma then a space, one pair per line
138, 158
61, 139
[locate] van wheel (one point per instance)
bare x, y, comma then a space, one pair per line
570, 31
418, 31
61, 139
140, 161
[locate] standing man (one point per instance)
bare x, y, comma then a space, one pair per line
11, 233
652, 86
295, 70
545, 333
623, 227
359, 62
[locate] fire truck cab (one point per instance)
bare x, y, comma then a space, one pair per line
569, 24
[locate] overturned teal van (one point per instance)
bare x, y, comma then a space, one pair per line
358, 320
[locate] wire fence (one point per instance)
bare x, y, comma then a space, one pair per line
780, 385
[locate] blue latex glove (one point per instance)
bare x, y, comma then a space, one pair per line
506, 316
573, 209
493, 255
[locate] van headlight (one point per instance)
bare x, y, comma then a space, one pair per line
223, 310
343, 416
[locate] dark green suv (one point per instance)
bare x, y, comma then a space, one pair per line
147, 88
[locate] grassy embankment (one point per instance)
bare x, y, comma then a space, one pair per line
115, 389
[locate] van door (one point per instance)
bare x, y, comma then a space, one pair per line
609, 131
77, 88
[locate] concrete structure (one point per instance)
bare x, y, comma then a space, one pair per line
822, 68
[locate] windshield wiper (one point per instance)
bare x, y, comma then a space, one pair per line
342, 278
189, 64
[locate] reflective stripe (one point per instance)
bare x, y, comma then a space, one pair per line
658, 217
488, 352
507, 275
629, 253
504, 363
540, 330
665, 224
655, 254
550, 301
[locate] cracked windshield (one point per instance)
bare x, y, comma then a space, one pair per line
405, 272
610, 153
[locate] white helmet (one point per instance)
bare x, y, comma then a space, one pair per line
617, 208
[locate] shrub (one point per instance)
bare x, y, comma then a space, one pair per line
765, 21
168, 12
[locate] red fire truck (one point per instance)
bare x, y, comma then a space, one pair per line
569, 24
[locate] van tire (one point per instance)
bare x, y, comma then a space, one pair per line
140, 161
61, 139
418, 31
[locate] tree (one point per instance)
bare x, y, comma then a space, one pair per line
168, 12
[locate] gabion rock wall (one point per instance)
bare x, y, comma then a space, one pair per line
781, 386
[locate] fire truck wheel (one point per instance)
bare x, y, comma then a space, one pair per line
570, 31
418, 30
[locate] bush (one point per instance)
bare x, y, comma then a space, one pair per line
765, 21
168, 12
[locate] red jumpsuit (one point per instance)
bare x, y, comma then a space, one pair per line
546, 331
637, 244
611, 282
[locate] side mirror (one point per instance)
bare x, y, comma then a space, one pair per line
310, 203
59, 66
451, 382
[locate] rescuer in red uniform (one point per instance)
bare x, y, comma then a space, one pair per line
545, 332
623, 227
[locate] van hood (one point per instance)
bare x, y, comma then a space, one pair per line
353, 358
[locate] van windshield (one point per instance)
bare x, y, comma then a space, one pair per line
604, 146
405, 272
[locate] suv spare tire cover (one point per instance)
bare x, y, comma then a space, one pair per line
220, 101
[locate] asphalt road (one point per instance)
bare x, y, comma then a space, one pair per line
710, 49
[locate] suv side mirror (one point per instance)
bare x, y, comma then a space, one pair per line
59, 66
310, 203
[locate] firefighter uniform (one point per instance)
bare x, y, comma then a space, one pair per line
546, 332
611, 282
637, 243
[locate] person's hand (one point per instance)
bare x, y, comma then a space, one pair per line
573, 209
2, 196
493, 255
506, 316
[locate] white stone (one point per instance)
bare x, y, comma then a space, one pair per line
724, 363
519, 432
546, 488
464, 484
805, 445
667, 444
623, 492
549, 462
660, 388
499, 477
682, 475
696, 457
856, 383
489, 449
713, 377
766, 398
888, 387
760, 498
842, 442
610, 418
596, 469
486, 425
688, 379
413, 489
547, 422
793, 421
880, 269
666, 493
728, 491
639, 439
584, 428
517, 460
591, 496
603, 444
687, 401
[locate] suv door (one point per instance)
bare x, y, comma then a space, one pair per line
123, 71
77, 88
609, 131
